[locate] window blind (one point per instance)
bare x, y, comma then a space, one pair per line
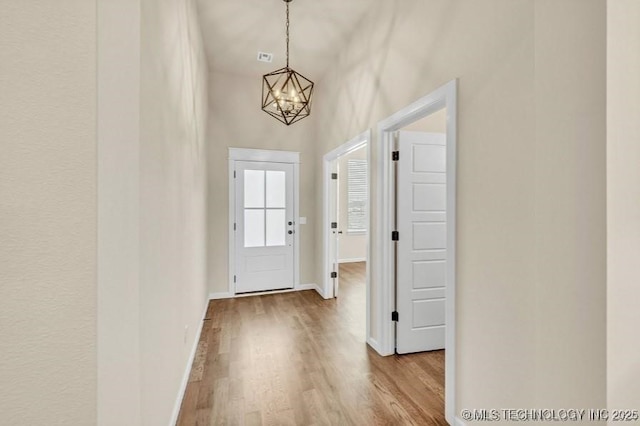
356, 196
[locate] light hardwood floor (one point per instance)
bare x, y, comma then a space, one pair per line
296, 359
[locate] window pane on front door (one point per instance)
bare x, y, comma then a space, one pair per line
276, 189
254, 188
276, 227
254, 228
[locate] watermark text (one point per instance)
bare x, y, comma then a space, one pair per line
549, 415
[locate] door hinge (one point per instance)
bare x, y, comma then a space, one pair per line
394, 316
334, 176
334, 275
395, 155
334, 225
395, 236
234, 278
234, 174
234, 226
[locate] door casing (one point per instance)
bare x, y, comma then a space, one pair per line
443, 97
363, 139
334, 237
244, 154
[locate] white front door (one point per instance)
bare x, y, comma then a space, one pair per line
422, 244
264, 219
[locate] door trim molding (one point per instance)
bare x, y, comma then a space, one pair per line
445, 96
270, 156
360, 141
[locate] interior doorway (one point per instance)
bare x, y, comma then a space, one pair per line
416, 229
346, 215
348, 212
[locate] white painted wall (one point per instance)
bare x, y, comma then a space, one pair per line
118, 369
531, 225
623, 203
351, 246
47, 213
570, 202
173, 188
236, 120
152, 207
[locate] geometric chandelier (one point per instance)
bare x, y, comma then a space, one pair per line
286, 94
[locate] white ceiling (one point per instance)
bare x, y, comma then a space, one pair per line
235, 30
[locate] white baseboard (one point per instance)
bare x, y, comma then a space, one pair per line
302, 287
353, 260
187, 371
216, 296
321, 292
374, 344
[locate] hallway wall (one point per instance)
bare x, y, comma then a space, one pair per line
623, 203
152, 207
173, 188
118, 253
236, 120
48, 213
570, 203
530, 272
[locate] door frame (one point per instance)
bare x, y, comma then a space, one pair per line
443, 97
360, 141
269, 156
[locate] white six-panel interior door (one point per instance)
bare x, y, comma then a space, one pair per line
264, 226
422, 245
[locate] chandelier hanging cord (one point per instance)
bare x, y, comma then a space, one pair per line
287, 20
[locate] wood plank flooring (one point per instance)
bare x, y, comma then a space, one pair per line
296, 359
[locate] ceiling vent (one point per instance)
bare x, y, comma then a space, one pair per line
265, 57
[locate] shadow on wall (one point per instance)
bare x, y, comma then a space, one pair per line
391, 45
364, 73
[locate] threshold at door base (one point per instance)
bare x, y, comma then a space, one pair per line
301, 287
